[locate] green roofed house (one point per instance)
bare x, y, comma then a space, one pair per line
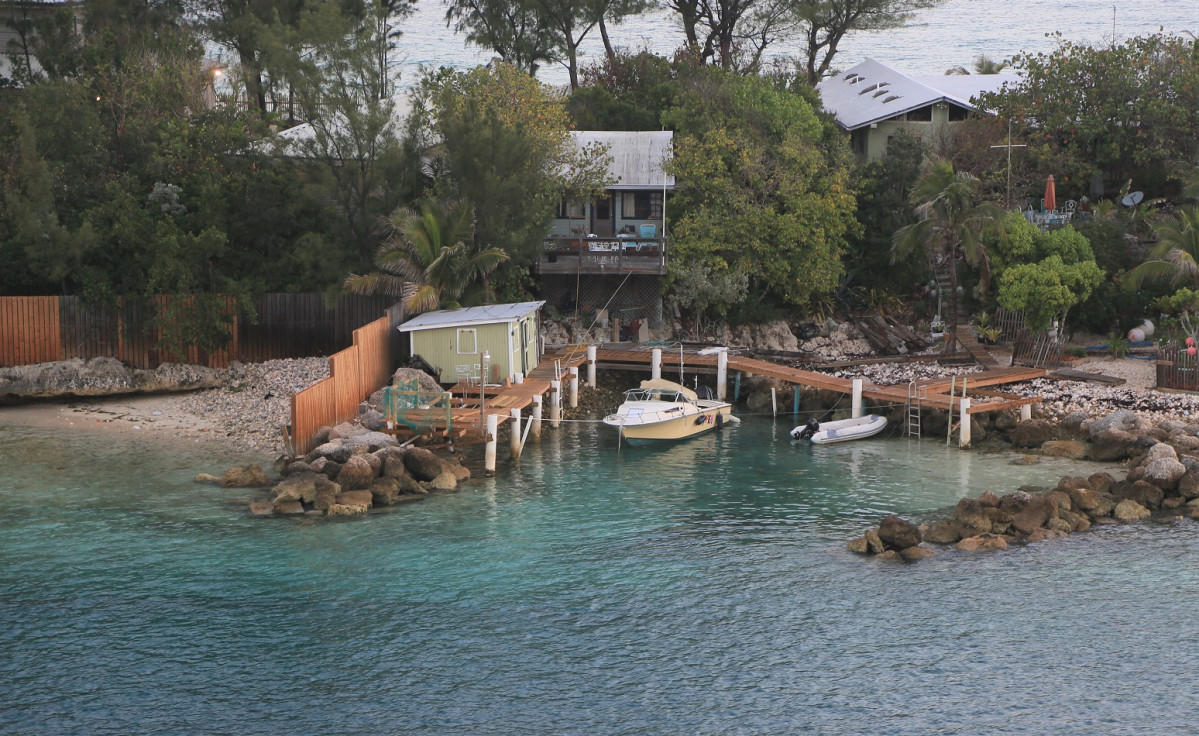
455, 341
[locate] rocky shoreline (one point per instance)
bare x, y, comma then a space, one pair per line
1162, 481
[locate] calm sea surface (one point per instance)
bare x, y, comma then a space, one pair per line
950, 35
702, 588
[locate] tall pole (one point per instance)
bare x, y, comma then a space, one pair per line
1009, 147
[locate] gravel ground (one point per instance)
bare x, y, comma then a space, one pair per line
256, 401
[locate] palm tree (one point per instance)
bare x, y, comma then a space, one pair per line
1175, 257
430, 259
983, 64
950, 224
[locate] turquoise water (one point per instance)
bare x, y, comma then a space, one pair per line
698, 589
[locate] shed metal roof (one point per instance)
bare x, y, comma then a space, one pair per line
488, 314
872, 92
637, 156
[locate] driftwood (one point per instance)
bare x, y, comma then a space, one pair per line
888, 337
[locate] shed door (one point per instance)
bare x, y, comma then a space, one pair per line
524, 346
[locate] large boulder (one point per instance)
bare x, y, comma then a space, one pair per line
1112, 444
1130, 511
941, 532
346, 430
355, 498
983, 541
326, 494
1073, 449
297, 488
422, 463
1121, 419
372, 441
356, 474
333, 450
446, 481
897, 533
1144, 493
970, 518
1034, 515
1164, 472
1031, 433
245, 476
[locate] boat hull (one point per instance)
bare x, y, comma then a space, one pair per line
678, 428
845, 430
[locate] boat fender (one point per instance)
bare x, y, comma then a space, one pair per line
701, 419
720, 421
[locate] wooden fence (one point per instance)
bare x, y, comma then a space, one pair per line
1038, 350
47, 328
1176, 369
354, 374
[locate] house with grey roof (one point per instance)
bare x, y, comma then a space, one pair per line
874, 102
492, 342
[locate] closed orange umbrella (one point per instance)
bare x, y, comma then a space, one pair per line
1050, 202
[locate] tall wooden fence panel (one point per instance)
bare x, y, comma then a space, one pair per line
298, 325
354, 374
1176, 369
29, 327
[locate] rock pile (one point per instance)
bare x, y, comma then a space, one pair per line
352, 471
100, 377
1163, 478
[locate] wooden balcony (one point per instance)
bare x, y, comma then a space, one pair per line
603, 256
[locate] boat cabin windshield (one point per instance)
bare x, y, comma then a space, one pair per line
655, 394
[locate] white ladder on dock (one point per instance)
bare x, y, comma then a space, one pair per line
916, 395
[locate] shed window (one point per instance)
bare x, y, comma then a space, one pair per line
468, 342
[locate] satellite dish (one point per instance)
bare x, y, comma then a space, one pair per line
1132, 199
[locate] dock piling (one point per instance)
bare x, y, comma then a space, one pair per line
964, 428
857, 398
774, 403
795, 400
655, 363
493, 427
1026, 412
535, 422
574, 387
722, 373
514, 438
591, 366
555, 404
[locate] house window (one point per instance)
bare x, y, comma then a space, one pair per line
570, 209
641, 206
921, 115
957, 113
468, 341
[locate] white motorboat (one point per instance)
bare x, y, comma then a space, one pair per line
823, 433
665, 410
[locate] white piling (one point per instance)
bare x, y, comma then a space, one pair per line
574, 387
493, 429
722, 373
535, 422
1025, 412
857, 398
514, 441
591, 366
774, 404
655, 363
555, 404
964, 428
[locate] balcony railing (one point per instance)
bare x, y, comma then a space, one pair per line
615, 255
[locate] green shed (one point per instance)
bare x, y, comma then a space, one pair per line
457, 342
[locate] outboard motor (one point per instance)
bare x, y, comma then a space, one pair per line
705, 392
805, 432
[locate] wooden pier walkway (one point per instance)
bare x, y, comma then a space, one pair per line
469, 411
